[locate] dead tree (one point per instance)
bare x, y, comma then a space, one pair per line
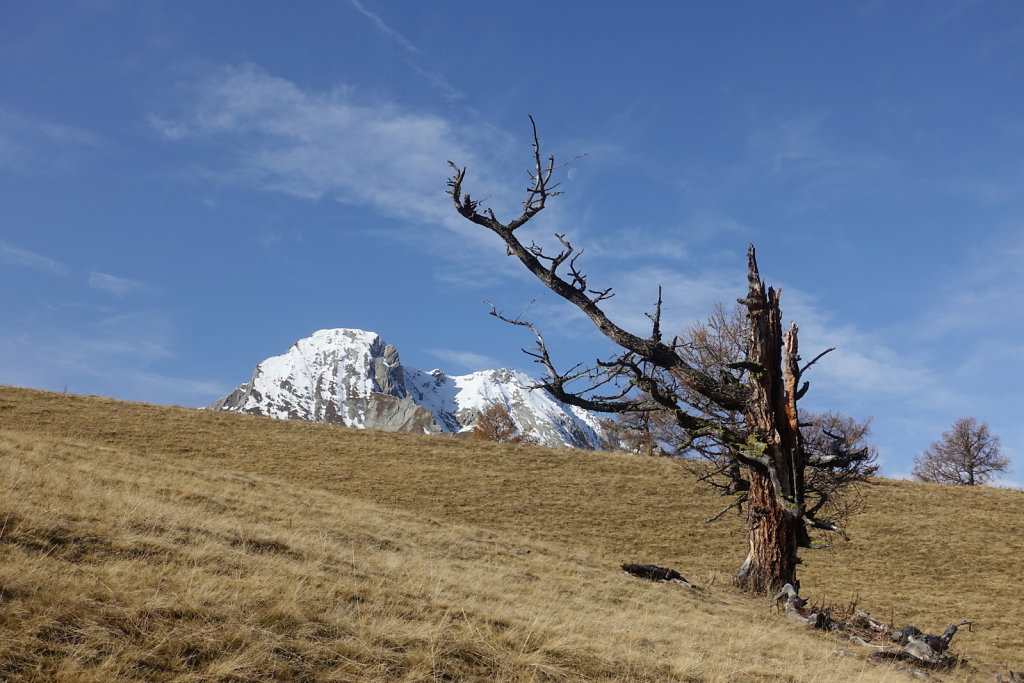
912, 645
720, 342
764, 388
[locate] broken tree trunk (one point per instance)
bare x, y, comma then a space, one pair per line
774, 452
916, 647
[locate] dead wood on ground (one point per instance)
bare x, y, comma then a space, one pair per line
653, 572
912, 646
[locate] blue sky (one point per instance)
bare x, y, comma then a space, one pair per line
189, 187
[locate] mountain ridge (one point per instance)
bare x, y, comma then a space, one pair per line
354, 378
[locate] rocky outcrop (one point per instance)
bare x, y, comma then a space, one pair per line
353, 378
392, 414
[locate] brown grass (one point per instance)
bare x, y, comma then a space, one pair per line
150, 543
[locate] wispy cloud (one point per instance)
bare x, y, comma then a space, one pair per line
119, 355
83, 364
118, 286
106, 349
969, 329
436, 80
331, 144
867, 365
946, 12
325, 144
980, 293
177, 390
801, 143
799, 148
637, 242
689, 295
465, 360
672, 244
384, 28
170, 128
28, 145
11, 255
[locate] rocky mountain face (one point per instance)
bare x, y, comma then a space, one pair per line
353, 378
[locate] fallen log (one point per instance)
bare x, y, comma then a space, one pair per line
916, 647
927, 647
796, 608
653, 572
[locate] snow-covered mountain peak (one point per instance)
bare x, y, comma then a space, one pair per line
353, 377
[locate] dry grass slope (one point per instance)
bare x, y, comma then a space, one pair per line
150, 543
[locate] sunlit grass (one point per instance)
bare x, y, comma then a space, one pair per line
153, 543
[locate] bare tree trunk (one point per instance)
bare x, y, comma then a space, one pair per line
772, 558
774, 455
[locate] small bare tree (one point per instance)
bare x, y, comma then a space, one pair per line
968, 455
763, 388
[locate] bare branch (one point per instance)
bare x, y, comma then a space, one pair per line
656, 319
575, 290
817, 358
740, 500
826, 525
837, 459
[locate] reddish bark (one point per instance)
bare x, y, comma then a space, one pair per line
772, 556
775, 524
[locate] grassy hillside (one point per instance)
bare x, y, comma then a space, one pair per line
146, 542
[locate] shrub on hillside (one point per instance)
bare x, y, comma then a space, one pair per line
495, 424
